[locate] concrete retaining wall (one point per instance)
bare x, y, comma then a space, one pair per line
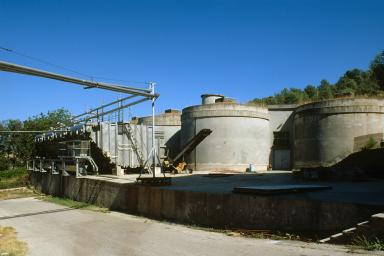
218, 210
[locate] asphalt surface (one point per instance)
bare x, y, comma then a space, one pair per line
50, 229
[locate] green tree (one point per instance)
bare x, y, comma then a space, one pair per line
311, 92
354, 82
325, 90
377, 70
22, 145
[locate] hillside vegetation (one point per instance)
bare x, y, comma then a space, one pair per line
355, 82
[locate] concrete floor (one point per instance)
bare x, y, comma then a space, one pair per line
51, 229
370, 192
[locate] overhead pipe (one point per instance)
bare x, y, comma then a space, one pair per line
9, 67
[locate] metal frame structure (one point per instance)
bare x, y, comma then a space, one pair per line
147, 94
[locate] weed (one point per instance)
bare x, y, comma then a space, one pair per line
370, 244
73, 204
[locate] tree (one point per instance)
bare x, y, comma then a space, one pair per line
325, 90
22, 145
377, 70
311, 92
354, 82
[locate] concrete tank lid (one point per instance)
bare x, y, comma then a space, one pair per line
211, 94
221, 109
169, 117
345, 105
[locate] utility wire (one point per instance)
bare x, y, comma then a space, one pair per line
91, 77
44, 62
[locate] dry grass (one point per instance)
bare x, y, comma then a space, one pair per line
16, 193
9, 245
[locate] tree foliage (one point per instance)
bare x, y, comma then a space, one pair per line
21, 146
354, 82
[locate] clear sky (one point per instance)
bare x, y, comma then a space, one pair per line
243, 49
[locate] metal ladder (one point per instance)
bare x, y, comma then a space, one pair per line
127, 129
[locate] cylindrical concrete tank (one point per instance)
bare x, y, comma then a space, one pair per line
240, 136
327, 132
167, 131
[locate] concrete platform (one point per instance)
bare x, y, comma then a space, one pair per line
208, 201
365, 192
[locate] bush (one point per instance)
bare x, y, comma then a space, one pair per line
371, 143
4, 163
17, 177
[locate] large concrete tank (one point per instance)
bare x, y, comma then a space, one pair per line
167, 131
240, 136
327, 132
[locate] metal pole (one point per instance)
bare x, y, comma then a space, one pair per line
153, 131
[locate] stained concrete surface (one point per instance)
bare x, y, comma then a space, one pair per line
369, 192
209, 202
51, 229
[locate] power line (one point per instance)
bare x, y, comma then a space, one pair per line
44, 61
92, 77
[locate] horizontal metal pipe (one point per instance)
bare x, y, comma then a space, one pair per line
112, 110
104, 106
9, 67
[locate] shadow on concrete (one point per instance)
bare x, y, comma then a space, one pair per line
36, 213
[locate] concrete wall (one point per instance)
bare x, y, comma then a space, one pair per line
240, 136
281, 120
327, 132
218, 210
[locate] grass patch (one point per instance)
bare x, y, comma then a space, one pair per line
73, 204
370, 244
16, 193
17, 177
9, 245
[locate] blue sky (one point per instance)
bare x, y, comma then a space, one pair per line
243, 49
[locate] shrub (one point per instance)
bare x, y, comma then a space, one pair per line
4, 163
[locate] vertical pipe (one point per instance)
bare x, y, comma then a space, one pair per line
77, 168
63, 167
116, 145
153, 131
53, 167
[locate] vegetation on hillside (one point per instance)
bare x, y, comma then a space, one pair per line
354, 82
15, 148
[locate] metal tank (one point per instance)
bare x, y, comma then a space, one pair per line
240, 136
327, 132
116, 140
